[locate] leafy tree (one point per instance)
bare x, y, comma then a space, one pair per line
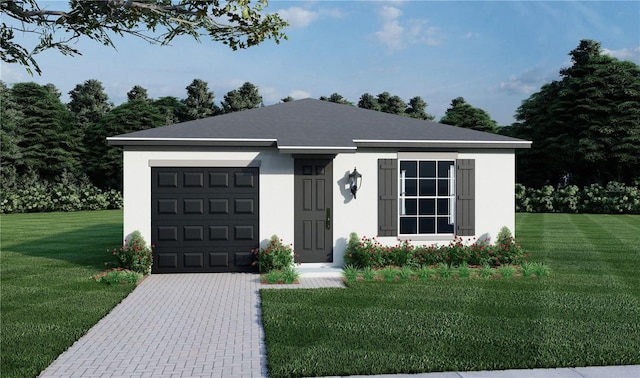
287, 99
172, 109
337, 98
88, 103
245, 97
10, 138
49, 141
104, 162
199, 102
416, 109
238, 24
462, 114
368, 101
585, 128
53, 90
391, 104
137, 93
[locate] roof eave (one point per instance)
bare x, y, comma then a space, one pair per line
443, 143
201, 142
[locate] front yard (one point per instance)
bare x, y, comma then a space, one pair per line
587, 312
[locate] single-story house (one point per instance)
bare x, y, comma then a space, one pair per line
206, 192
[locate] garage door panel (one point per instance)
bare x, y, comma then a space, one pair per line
204, 219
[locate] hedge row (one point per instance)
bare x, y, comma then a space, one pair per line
44, 197
370, 253
615, 198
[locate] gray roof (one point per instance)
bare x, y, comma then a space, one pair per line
314, 126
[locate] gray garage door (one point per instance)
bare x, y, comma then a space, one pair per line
204, 219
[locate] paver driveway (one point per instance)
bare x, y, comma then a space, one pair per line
178, 325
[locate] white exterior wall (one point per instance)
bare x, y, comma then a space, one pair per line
494, 197
276, 186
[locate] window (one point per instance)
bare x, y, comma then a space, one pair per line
426, 197
434, 198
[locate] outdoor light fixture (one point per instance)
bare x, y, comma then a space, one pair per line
355, 182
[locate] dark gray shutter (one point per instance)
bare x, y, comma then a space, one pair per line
387, 197
465, 194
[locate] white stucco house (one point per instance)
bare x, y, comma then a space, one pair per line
207, 192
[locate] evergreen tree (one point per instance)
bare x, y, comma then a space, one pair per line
173, 110
416, 109
104, 162
50, 142
245, 97
391, 104
10, 138
137, 93
585, 128
88, 103
199, 102
462, 114
368, 101
337, 98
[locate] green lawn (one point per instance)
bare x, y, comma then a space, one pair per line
586, 313
48, 297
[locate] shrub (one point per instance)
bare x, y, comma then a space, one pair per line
118, 276
614, 198
276, 256
135, 255
369, 253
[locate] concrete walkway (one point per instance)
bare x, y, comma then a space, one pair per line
208, 325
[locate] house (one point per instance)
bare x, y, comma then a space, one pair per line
206, 192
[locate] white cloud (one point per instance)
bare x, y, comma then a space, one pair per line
298, 17
632, 54
391, 33
516, 85
396, 33
470, 35
299, 94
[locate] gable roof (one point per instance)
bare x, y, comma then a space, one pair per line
315, 126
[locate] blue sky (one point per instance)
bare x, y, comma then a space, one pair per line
492, 53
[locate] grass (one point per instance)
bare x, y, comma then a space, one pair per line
587, 313
49, 299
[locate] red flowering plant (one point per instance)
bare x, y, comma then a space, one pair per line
275, 256
134, 255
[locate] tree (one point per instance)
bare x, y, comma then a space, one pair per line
337, 98
172, 109
416, 109
88, 103
49, 143
585, 128
391, 104
287, 99
137, 93
104, 162
368, 101
199, 102
10, 138
238, 24
462, 114
245, 97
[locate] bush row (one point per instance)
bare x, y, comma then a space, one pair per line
370, 253
44, 196
615, 198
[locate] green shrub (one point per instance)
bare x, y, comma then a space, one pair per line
463, 271
30, 194
507, 271
290, 275
444, 270
350, 273
118, 276
369, 253
368, 274
276, 256
614, 198
134, 255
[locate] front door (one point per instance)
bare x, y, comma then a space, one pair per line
313, 241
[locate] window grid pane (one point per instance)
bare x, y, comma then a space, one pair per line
427, 196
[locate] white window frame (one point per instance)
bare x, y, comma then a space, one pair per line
402, 197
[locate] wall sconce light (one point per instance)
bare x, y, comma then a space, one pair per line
355, 182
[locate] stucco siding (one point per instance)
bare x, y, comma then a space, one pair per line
494, 197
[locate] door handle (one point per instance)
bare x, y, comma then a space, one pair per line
328, 220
